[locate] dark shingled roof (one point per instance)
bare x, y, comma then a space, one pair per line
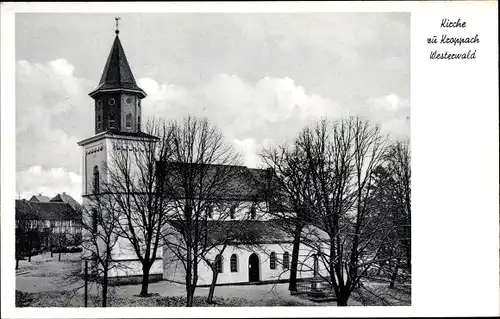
65, 198
250, 232
237, 182
24, 210
45, 211
117, 74
39, 198
240, 231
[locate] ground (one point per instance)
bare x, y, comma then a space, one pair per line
47, 282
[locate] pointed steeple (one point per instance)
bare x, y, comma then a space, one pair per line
117, 75
117, 97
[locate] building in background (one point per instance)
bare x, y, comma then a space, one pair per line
42, 222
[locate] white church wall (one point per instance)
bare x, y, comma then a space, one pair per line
263, 251
173, 269
124, 268
94, 154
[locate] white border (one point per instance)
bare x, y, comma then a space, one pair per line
455, 164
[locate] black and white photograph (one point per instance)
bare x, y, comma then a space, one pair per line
252, 159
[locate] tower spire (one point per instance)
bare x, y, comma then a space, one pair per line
116, 30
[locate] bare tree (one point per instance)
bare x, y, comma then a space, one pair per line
341, 157
291, 195
200, 179
398, 161
138, 200
393, 193
101, 233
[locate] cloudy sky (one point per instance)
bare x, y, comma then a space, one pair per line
259, 77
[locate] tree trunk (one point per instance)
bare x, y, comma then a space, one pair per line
145, 282
29, 251
295, 260
394, 275
342, 298
408, 254
59, 259
190, 295
17, 263
215, 274
189, 300
105, 286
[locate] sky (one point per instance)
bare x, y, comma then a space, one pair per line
260, 77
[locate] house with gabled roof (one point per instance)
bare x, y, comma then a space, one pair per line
49, 218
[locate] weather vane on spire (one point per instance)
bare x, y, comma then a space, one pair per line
116, 19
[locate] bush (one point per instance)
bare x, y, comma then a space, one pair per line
69, 249
23, 299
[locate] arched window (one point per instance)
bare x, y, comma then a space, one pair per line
272, 260
234, 263
210, 211
111, 121
99, 115
128, 120
96, 180
218, 264
232, 211
286, 260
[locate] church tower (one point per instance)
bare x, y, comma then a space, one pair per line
117, 98
117, 121
117, 124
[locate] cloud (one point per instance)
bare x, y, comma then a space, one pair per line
54, 112
250, 150
392, 112
270, 108
49, 182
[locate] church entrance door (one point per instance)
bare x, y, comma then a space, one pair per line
253, 268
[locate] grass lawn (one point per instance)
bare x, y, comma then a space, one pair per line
47, 282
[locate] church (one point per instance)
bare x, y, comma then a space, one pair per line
117, 109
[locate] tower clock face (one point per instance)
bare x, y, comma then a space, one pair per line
99, 103
111, 101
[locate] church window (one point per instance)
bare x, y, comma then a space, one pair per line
128, 120
252, 212
112, 119
99, 115
139, 122
96, 180
210, 211
232, 211
111, 101
218, 264
286, 260
272, 260
234, 263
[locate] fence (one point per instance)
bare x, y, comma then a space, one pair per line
305, 287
